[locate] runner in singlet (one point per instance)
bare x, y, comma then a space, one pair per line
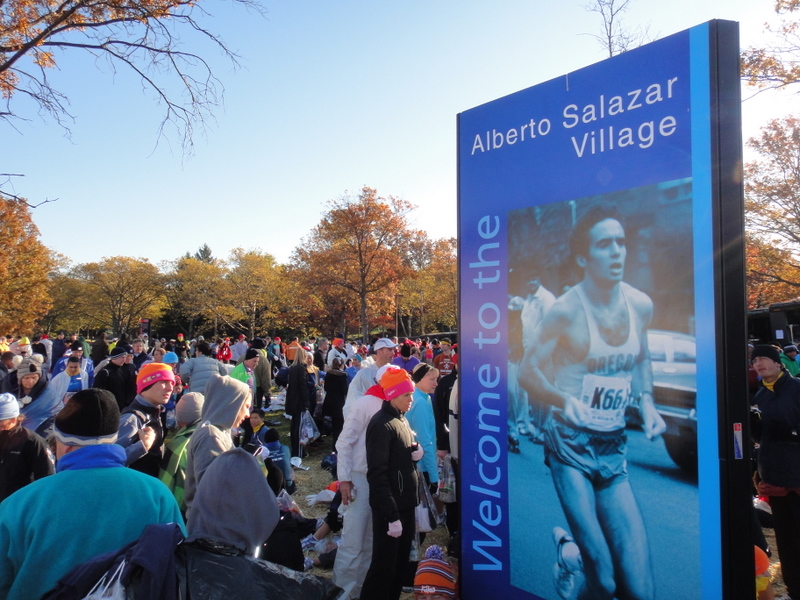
590, 361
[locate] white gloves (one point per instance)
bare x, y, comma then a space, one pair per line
395, 529
416, 455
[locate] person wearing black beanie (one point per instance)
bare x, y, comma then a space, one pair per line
777, 432
115, 503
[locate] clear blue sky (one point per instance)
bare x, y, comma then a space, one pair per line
330, 97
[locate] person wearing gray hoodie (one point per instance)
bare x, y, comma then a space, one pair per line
227, 404
217, 560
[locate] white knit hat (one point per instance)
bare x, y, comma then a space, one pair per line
9, 407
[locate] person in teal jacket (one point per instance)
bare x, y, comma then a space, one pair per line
422, 422
92, 505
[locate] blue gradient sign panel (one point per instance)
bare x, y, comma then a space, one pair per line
586, 281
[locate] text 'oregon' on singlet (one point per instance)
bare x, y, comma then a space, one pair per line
602, 381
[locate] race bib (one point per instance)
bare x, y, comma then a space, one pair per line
606, 398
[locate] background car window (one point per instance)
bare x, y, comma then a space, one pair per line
685, 351
657, 347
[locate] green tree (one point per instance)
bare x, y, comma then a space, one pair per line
192, 291
120, 290
358, 248
253, 281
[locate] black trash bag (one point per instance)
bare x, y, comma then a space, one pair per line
210, 576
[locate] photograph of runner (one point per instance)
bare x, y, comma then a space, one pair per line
583, 366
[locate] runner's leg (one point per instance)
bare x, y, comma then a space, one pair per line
577, 497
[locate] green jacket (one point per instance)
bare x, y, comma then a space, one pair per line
791, 365
173, 465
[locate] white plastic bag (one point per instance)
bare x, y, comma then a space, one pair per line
109, 587
308, 429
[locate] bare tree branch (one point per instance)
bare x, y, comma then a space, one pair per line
142, 36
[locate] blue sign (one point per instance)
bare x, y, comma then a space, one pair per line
587, 287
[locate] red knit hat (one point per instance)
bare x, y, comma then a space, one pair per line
151, 373
395, 382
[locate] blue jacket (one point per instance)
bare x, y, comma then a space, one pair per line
43, 536
420, 419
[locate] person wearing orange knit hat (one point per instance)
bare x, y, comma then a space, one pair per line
434, 579
141, 431
393, 486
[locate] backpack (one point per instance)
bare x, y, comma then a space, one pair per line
282, 376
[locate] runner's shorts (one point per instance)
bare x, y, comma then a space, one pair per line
600, 456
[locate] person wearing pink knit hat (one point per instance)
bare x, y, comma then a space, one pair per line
393, 486
141, 431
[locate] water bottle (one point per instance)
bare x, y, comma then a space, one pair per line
343, 507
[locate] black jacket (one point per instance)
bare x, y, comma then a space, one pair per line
779, 432
118, 380
23, 458
390, 469
297, 393
335, 393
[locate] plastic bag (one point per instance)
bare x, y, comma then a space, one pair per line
308, 429
428, 515
287, 503
447, 480
109, 587
210, 576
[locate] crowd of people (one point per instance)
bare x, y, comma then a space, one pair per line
149, 464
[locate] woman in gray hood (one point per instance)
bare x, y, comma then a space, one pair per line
227, 404
217, 560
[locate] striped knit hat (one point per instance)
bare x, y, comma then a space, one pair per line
435, 575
